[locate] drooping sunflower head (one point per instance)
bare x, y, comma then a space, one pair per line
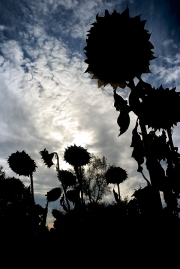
21, 163
118, 49
161, 108
47, 157
115, 175
76, 155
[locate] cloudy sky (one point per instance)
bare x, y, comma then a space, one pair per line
46, 99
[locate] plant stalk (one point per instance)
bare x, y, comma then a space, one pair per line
64, 189
32, 188
149, 157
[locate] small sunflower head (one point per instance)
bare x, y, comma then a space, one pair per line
76, 156
161, 108
21, 163
47, 157
115, 175
118, 49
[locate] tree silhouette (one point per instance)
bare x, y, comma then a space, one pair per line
94, 183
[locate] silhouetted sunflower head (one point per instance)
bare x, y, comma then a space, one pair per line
47, 157
115, 175
76, 155
118, 49
21, 163
161, 108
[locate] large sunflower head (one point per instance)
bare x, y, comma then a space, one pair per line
118, 49
115, 175
161, 108
21, 163
76, 155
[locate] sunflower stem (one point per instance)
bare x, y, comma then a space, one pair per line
149, 158
170, 138
80, 173
45, 213
119, 193
32, 187
64, 189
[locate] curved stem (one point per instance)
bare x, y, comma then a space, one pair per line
148, 156
59, 173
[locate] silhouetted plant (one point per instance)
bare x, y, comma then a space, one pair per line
47, 158
18, 213
125, 55
22, 164
116, 175
51, 196
77, 156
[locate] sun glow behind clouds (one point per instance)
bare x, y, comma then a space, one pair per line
82, 139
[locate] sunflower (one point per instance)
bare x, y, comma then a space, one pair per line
47, 157
21, 163
161, 108
118, 49
115, 175
76, 156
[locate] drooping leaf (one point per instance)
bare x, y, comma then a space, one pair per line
123, 121
67, 178
138, 152
53, 194
57, 214
158, 177
116, 196
120, 104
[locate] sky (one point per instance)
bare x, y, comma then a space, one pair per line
47, 101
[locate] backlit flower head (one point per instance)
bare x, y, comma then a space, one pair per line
161, 108
118, 49
76, 155
115, 175
21, 163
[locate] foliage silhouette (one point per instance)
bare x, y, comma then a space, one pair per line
18, 212
94, 182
